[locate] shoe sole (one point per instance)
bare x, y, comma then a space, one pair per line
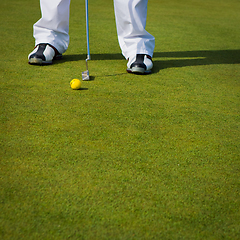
137, 70
38, 61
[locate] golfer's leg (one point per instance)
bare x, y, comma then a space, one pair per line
131, 18
53, 27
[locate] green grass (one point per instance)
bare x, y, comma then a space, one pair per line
126, 157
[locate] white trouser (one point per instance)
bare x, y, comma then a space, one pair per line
131, 16
53, 27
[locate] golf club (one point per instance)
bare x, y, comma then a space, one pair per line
85, 74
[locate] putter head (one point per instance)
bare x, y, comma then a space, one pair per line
85, 75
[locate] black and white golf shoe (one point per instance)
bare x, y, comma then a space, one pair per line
43, 54
140, 64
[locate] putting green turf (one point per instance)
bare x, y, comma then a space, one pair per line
125, 157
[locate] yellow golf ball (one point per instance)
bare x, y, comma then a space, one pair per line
75, 84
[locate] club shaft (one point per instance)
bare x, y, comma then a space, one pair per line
87, 30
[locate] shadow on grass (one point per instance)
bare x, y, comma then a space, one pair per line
195, 58
176, 59
94, 57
